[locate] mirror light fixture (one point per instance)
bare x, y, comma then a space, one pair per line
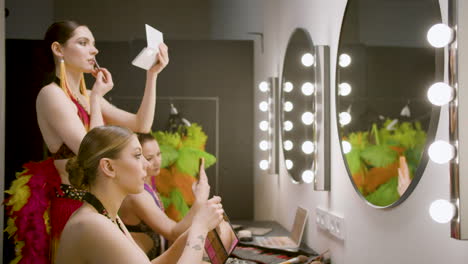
263, 125
307, 59
263, 87
308, 118
308, 88
442, 211
440, 94
288, 125
267, 144
288, 87
264, 164
441, 152
440, 35
308, 147
263, 106
288, 145
308, 176
346, 146
264, 145
344, 118
344, 60
455, 210
344, 89
288, 106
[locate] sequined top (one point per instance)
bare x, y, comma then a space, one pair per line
71, 192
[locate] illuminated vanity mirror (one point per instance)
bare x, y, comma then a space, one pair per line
298, 110
384, 68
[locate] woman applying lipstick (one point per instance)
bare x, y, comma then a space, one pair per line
66, 110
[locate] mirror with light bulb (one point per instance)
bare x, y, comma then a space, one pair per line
298, 108
385, 66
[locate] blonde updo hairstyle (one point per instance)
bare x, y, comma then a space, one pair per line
100, 142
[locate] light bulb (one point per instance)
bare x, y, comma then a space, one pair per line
441, 152
440, 93
346, 146
440, 35
263, 106
344, 60
288, 106
264, 145
307, 118
308, 147
307, 59
442, 211
308, 176
288, 87
263, 86
289, 164
345, 118
288, 145
264, 125
264, 164
288, 125
344, 89
308, 88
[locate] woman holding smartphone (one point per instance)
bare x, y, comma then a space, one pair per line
111, 166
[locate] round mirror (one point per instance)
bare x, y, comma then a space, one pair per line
385, 66
298, 111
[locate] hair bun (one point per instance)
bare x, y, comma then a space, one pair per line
76, 173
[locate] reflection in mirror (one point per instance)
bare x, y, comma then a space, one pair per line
298, 111
384, 69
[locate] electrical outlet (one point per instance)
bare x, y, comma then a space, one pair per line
321, 218
336, 226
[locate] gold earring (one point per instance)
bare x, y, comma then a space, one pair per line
63, 77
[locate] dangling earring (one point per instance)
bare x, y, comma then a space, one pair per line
63, 78
83, 89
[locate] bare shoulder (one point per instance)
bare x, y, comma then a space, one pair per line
98, 240
140, 198
50, 93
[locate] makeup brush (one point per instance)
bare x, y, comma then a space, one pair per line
96, 66
298, 259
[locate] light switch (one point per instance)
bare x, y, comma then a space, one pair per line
336, 226
321, 218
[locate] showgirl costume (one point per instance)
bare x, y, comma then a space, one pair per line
39, 205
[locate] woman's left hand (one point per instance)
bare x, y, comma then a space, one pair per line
163, 60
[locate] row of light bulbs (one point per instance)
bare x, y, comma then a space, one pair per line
308, 118
440, 93
264, 125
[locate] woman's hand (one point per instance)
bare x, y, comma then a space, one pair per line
210, 214
404, 179
103, 82
201, 189
163, 60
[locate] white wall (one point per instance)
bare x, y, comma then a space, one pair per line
404, 234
